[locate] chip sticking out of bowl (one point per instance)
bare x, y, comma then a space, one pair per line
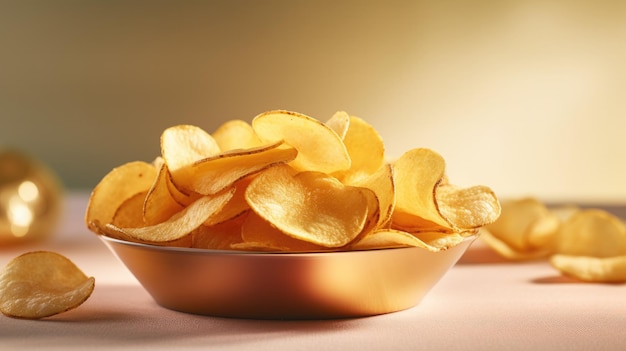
41, 284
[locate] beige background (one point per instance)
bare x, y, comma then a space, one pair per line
528, 97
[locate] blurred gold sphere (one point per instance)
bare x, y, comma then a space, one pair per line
30, 199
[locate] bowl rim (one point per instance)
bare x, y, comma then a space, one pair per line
200, 251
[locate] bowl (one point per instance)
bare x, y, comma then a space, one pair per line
252, 285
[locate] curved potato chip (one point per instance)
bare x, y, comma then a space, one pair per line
467, 208
505, 250
426, 200
366, 149
236, 134
256, 230
130, 213
114, 189
219, 236
214, 174
382, 184
319, 147
417, 173
592, 269
235, 207
159, 204
181, 146
309, 206
592, 232
179, 225
339, 122
40, 284
526, 226
390, 238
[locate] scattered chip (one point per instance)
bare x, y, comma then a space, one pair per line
592, 269
592, 232
40, 284
525, 230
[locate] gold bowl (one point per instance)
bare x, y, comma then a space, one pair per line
285, 285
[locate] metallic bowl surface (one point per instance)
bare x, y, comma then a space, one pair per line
285, 285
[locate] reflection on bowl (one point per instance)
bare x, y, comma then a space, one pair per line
285, 285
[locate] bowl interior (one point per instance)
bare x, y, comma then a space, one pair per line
285, 285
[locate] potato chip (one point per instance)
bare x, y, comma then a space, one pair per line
426, 202
130, 212
235, 207
40, 284
260, 234
115, 188
339, 122
181, 224
592, 269
507, 251
388, 238
183, 145
366, 149
159, 204
219, 236
309, 206
319, 147
301, 185
382, 184
525, 230
467, 208
214, 174
592, 232
236, 134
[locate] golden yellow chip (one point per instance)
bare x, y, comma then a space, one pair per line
592, 269
236, 134
40, 284
219, 236
525, 230
366, 149
425, 201
309, 206
319, 147
214, 174
159, 204
181, 224
382, 184
258, 233
235, 207
339, 122
592, 232
114, 189
183, 145
390, 238
130, 212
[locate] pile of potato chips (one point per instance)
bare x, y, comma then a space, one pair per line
588, 244
287, 182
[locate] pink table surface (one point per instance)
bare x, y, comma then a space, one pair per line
483, 303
